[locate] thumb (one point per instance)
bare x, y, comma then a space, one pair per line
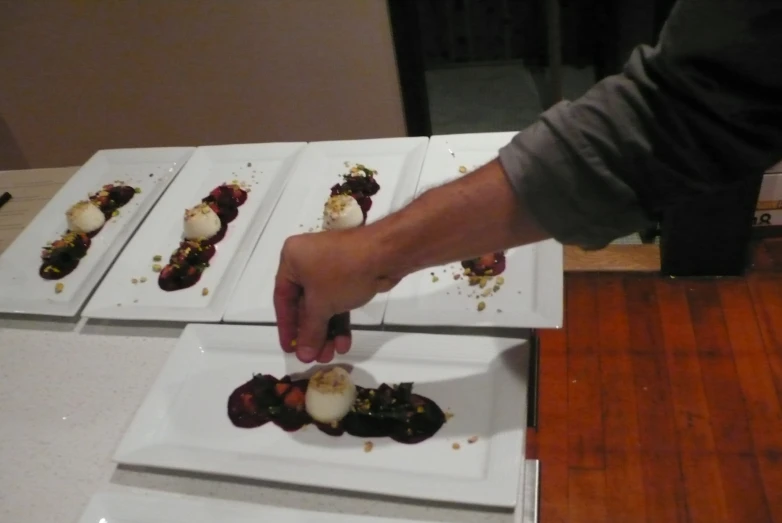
313, 328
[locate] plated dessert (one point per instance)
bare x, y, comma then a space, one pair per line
351, 200
85, 219
336, 406
204, 226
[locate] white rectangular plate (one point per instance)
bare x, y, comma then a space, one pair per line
265, 168
23, 291
398, 163
157, 507
531, 295
183, 422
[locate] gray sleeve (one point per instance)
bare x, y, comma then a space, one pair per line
699, 111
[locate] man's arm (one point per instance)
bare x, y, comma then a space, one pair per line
474, 215
699, 111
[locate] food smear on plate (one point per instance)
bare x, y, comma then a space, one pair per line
360, 184
483, 274
85, 220
336, 406
492, 264
204, 226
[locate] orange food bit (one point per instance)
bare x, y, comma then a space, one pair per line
294, 398
281, 388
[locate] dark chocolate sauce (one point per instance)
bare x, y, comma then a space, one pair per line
492, 264
192, 257
62, 257
385, 412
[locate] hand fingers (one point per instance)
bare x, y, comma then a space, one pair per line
339, 331
327, 354
287, 296
342, 343
313, 327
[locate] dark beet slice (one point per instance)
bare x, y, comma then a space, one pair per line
49, 271
419, 426
226, 213
228, 196
365, 202
335, 430
121, 194
367, 425
192, 253
492, 264
291, 420
174, 278
242, 410
356, 186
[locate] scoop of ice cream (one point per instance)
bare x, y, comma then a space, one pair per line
201, 223
85, 217
342, 212
330, 394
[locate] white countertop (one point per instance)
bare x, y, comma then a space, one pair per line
69, 389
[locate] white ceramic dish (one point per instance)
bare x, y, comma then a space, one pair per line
265, 168
530, 295
23, 291
183, 422
398, 163
157, 507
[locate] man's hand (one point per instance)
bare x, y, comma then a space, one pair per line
321, 278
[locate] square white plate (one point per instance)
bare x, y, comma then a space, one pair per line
183, 422
157, 507
398, 163
531, 296
23, 291
265, 168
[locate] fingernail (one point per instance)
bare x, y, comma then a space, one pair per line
306, 354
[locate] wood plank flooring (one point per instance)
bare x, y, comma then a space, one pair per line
660, 399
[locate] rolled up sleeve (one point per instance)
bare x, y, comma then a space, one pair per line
698, 112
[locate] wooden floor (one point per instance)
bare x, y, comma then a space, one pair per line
660, 399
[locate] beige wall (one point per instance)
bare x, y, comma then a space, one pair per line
82, 75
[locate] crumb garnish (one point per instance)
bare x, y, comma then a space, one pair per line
59, 287
368, 446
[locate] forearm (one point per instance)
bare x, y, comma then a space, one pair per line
474, 215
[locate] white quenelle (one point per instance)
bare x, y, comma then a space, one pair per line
330, 395
201, 222
85, 217
342, 212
